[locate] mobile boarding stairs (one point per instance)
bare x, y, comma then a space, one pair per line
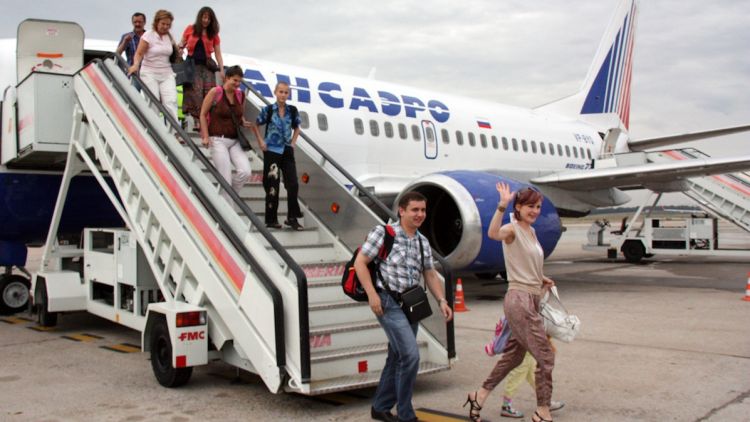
725, 196
200, 277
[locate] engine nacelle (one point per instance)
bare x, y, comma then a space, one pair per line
460, 206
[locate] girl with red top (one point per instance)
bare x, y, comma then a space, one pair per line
202, 40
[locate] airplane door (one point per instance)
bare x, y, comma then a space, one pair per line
429, 137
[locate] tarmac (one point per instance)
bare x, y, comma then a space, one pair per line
662, 340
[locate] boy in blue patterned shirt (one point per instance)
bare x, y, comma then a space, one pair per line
282, 129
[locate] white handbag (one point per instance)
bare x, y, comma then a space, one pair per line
558, 323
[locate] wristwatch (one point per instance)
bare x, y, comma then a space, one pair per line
442, 299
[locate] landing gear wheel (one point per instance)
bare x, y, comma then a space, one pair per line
14, 293
43, 316
633, 251
161, 358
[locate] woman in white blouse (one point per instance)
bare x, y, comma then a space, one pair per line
152, 58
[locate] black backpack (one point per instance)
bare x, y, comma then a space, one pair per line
350, 282
292, 113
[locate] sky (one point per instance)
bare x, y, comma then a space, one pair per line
691, 63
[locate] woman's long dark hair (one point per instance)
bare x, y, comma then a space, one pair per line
213, 27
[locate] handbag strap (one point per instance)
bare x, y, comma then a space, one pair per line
556, 295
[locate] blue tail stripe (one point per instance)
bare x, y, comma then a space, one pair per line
613, 73
595, 99
604, 95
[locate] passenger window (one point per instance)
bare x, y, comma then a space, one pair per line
359, 127
533, 147
472, 139
583, 154
445, 136
430, 135
575, 152
551, 149
374, 128
483, 140
542, 148
459, 137
588, 153
524, 146
505, 143
305, 124
402, 131
567, 151
388, 129
322, 122
515, 144
415, 133
559, 150
494, 142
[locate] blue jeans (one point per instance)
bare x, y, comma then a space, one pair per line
401, 366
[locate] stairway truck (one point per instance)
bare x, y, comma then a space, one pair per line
673, 236
176, 335
111, 278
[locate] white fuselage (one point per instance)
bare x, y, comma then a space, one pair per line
387, 134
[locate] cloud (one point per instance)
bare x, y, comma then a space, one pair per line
691, 59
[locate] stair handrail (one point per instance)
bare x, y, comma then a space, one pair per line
447, 272
692, 152
265, 280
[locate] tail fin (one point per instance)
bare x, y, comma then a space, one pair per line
606, 89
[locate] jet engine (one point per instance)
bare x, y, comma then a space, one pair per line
460, 206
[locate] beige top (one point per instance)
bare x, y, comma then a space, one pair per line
523, 261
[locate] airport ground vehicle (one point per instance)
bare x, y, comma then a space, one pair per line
200, 277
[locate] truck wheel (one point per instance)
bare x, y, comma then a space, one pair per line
161, 358
14, 293
43, 316
633, 251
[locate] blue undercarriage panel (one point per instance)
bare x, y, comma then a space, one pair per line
27, 201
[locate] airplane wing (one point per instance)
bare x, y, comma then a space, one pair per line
660, 142
638, 176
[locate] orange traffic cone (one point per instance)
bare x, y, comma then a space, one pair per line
458, 304
747, 290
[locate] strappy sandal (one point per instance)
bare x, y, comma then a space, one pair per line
475, 407
541, 419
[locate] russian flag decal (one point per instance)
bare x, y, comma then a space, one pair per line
484, 124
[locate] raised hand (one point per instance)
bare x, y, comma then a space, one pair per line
505, 194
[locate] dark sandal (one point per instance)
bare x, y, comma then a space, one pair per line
541, 419
475, 407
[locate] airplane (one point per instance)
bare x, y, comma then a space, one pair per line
393, 138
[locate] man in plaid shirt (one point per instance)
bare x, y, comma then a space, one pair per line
401, 270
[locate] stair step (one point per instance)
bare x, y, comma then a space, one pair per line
314, 253
323, 269
339, 336
331, 312
291, 237
355, 360
367, 379
325, 289
346, 352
